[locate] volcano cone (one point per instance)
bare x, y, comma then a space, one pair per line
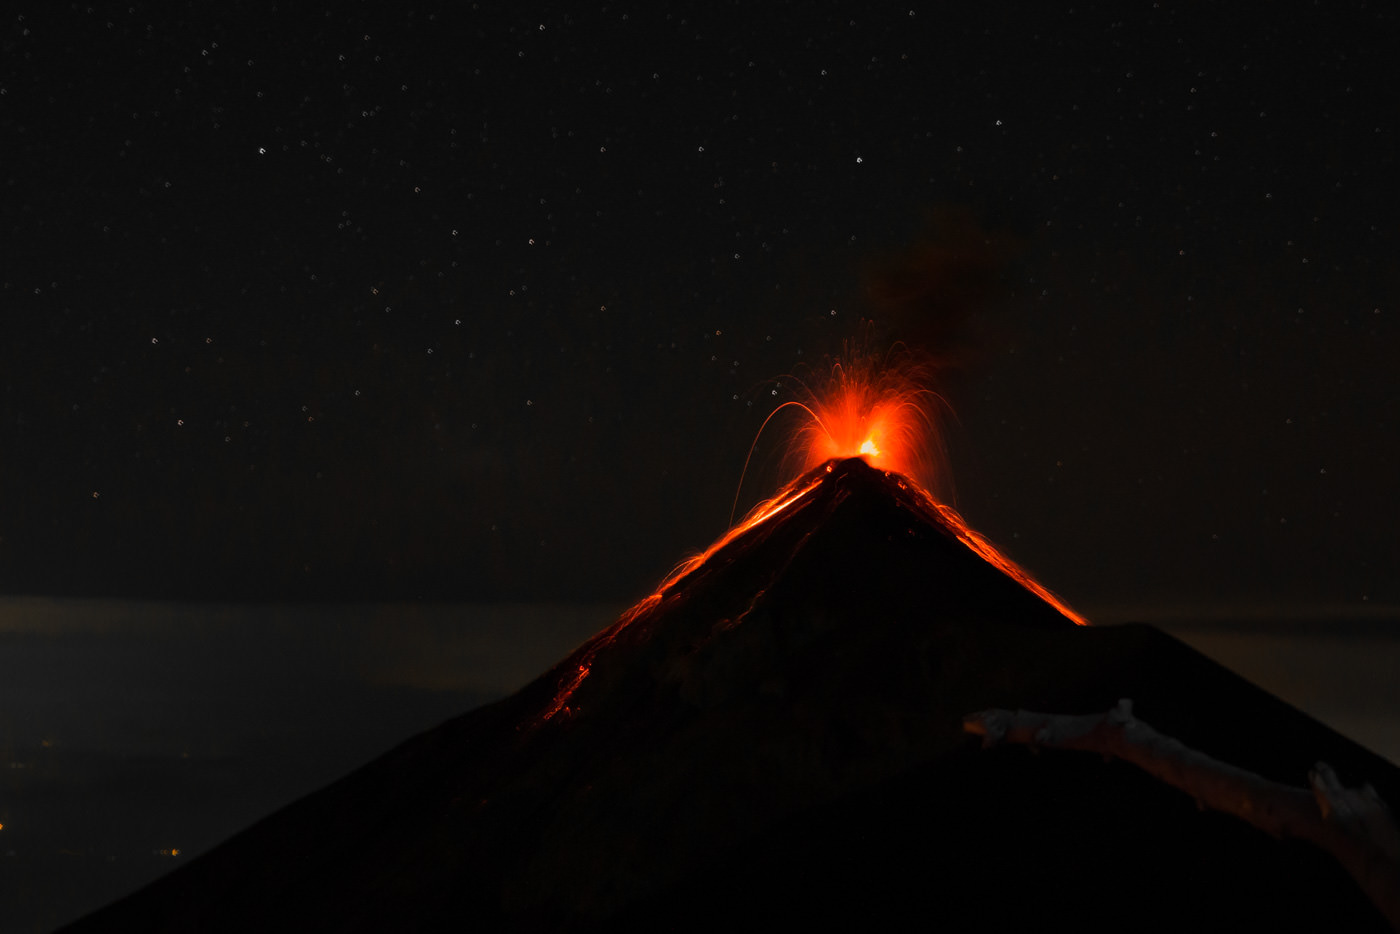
776, 736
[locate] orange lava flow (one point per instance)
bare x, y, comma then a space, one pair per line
989, 553
760, 514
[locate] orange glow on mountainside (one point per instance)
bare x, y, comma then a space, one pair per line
989, 553
760, 514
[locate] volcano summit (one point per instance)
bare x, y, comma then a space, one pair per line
776, 736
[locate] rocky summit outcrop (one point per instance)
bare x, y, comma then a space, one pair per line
776, 738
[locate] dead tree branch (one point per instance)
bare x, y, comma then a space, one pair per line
1354, 825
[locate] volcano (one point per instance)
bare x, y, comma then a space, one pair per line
776, 736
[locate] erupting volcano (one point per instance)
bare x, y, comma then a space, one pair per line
776, 735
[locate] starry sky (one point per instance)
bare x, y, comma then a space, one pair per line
488, 301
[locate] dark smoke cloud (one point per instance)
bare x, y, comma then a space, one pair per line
928, 295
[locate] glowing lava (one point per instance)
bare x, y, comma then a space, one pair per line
875, 410
799, 489
989, 553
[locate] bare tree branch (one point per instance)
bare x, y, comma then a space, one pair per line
1354, 825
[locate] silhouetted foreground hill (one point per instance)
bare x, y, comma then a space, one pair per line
776, 737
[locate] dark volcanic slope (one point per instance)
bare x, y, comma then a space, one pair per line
778, 737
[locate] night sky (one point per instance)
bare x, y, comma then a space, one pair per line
456, 303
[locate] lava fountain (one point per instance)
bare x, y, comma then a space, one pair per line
881, 415
879, 409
